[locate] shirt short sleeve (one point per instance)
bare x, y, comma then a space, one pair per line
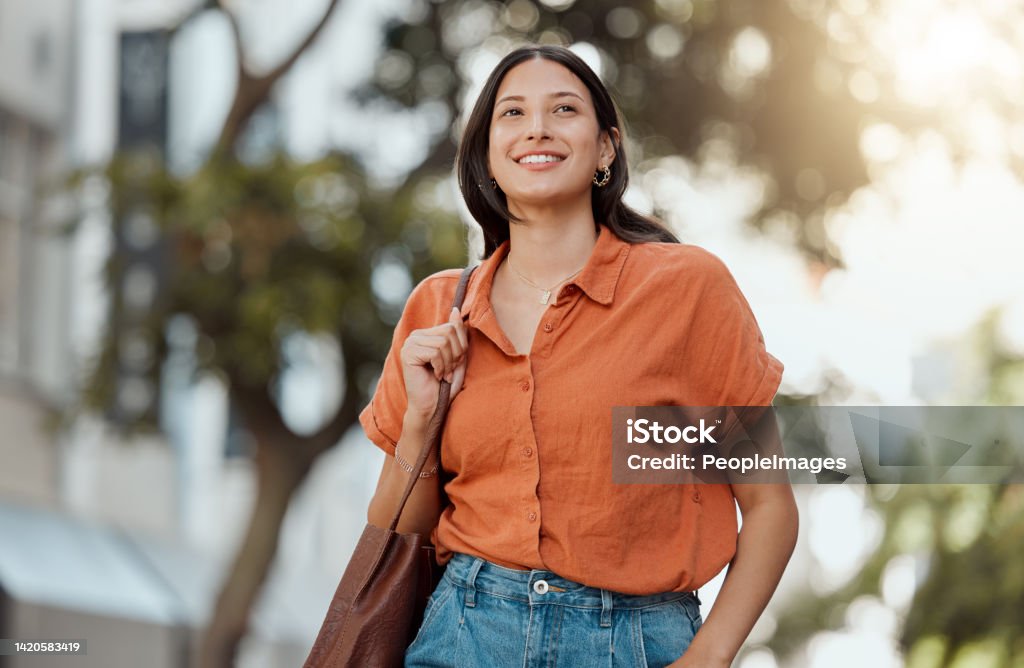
724, 336
739, 371
426, 307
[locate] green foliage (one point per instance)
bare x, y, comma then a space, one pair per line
966, 542
974, 590
669, 66
256, 252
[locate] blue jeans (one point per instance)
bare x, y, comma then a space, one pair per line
482, 614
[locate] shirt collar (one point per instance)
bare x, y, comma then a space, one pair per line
598, 279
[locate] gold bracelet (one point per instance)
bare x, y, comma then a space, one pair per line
407, 467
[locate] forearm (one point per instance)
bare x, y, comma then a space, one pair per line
765, 544
423, 508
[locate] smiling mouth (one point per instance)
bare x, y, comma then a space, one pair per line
538, 159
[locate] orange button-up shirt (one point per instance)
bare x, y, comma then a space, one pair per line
526, 449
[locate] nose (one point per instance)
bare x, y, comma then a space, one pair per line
537, 128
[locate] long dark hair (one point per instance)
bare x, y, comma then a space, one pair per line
489, 206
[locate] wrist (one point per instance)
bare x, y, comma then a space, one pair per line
429, 469
415, 425
706, 655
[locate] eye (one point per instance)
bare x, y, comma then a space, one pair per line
510, 110
566, 106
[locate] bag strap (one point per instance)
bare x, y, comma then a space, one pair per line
440, 412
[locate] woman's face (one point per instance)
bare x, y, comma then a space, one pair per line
545, 144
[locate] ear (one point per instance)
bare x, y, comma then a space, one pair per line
609, 146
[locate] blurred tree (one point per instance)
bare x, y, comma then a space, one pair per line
733, 80
782, 88
964, 543
258, 251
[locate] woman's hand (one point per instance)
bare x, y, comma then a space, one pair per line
428, 355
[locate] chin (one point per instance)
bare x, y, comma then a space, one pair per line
543, 195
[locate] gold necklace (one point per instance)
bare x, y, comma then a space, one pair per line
546, 292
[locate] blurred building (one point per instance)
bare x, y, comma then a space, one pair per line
123, 544
35, 115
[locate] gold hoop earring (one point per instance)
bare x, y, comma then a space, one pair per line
605, 177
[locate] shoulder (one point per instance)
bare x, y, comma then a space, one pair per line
438, 283
679, 265
431, 299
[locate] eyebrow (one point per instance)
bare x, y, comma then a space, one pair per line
520, 98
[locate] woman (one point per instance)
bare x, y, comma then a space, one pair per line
580, 304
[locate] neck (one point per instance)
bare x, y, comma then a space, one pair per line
552, 242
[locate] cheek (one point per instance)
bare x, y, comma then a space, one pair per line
498, 143
497, 154
494, 163
494, 150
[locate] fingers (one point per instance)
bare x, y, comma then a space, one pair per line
458, 376
460, 327
462, 340
440, 356
442, 347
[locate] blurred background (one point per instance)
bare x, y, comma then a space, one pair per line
211, 215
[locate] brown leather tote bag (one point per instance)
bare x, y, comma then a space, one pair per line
378, 606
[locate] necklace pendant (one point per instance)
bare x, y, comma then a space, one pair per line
544, 299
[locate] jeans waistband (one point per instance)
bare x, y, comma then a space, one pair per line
541, 587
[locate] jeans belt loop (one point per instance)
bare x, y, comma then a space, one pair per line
606, 608
471, 582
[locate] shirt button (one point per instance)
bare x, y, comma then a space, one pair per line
525, 386
696, 495
532, 517
527, 452
548, 327
569, 289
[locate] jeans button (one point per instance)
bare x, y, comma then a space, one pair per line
541, 586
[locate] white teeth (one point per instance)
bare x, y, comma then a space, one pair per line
539, 158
